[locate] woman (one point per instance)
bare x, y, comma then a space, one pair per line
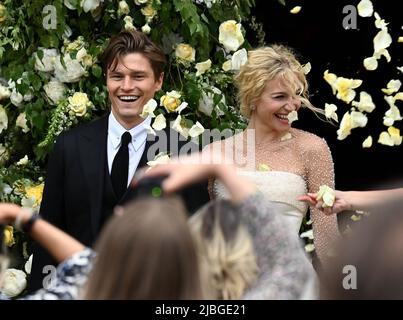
283, 162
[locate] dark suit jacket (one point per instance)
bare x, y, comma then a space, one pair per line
74, 186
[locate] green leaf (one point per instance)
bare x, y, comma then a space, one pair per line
96, 71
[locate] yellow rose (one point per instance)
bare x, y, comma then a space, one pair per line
149, 12
78, 103
170, 101
35, 192
2, 13
185, 52
9, 236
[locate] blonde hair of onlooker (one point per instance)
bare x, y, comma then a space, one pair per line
265, 64
225, 251
146, 253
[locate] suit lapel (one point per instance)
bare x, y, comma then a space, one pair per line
92, 152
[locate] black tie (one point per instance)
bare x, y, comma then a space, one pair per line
120, 166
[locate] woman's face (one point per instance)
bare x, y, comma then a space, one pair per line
274, 105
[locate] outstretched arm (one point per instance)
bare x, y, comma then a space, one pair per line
59, 244
191, 169
354, 200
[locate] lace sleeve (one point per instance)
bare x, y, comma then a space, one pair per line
320, 171
285, 271
71, 275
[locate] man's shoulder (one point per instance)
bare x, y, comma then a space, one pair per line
94, 126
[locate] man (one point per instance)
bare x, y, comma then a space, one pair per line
91, 166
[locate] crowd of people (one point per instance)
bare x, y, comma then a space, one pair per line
111, 237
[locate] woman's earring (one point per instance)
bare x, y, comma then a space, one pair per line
252, 107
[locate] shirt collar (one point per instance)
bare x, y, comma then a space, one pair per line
139, 132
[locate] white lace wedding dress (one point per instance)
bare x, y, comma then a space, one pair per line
293, 166
280, 187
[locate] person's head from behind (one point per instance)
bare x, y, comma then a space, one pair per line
134, 70
368, 263
146, 252
225, 250
270, 85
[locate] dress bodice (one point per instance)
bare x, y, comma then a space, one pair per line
280, 187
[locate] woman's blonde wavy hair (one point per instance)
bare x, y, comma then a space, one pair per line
225, 251
263, 65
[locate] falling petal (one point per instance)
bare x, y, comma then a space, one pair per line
370, 63
296, 9
365, 8
367, 142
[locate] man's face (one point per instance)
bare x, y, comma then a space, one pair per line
130, 86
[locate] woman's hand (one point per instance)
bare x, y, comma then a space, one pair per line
186, 170
341, 202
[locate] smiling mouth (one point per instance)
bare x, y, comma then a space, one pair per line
282, 116
128, 98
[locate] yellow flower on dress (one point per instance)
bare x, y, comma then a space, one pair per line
263, 167
327, 195
9, 236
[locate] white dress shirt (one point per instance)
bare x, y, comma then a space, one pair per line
136, 146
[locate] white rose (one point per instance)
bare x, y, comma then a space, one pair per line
129, 23
3, 119
47, 64
230, 35
123, 8
4, 92
146, 29
238, 59
23, 161
148, 109
73, 72
89, 5
22, 122
14, 282
16, 98
55, 91
160, 122
196, 130
202, 67
206, 102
